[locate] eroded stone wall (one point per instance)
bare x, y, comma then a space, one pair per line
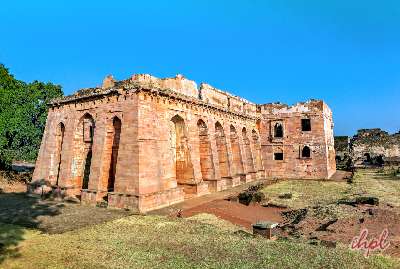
144, 143
375, 146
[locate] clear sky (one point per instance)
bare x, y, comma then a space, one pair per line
346, 52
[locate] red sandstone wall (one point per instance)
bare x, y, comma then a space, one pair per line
293, 165
157, 167
161, 158
103, 111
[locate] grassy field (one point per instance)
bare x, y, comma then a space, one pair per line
380, 184
202, 241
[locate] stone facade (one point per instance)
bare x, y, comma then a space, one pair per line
303, 133
145, 143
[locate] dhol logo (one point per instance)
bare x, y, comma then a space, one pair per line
361, 242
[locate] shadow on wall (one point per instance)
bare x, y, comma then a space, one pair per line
17, 212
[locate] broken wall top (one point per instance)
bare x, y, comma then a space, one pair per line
309, 107
188, 89
375, 137
178, 85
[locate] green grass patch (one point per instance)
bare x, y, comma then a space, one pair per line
158, 242
10, 238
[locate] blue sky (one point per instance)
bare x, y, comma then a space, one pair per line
346, 52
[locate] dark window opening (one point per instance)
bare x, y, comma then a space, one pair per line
380, 160
306, 125
86, 173
367, 158
91, 132
278, 156
278, 130
306, 152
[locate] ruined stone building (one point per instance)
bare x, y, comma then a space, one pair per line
144, 143
369, 147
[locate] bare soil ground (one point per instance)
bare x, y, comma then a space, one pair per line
13, 182
343, 230
237, 213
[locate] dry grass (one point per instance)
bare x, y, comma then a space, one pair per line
316, 193
159, 242
378, 183
306, 192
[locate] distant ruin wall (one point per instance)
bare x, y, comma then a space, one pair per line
369, 147
375, 143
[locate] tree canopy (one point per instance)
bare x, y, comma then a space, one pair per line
23, 113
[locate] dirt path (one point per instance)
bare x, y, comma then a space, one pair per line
198, 201
237, 213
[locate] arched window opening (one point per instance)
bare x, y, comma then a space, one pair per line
306, 152
278, 130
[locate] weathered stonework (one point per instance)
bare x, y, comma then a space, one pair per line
342, 149
371, 147
320, 162
145, 143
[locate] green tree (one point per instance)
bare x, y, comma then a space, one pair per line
23, 113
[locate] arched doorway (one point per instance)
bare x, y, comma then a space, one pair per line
236, 152
247, 148
222, 150
115, 136
206, 163
59, 145
183, 164
83, 142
